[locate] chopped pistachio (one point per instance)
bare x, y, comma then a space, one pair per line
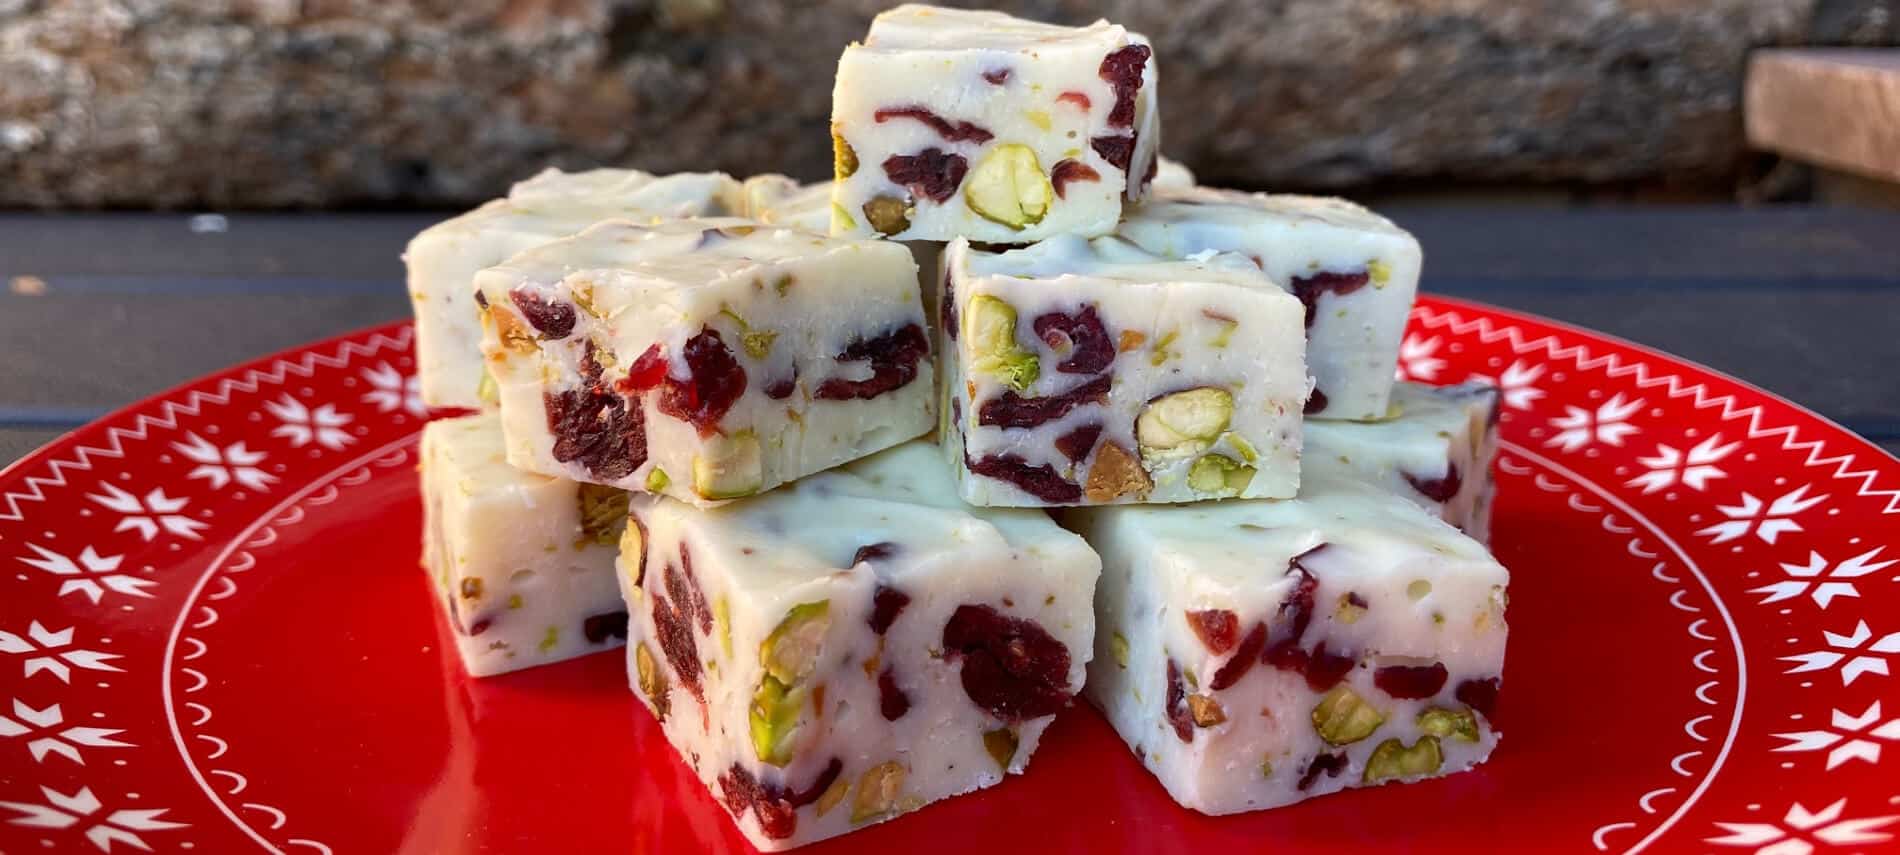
1129, 341
1183, 423
791, 650
833, 795
1348, 612
1226, 334
1008, 186
514, 601
1115, 473
730, 468
773, 720
841, 221
551, 638
1266, 768
652, 681
887, 214
657, 480
1161, 353
1219, 475
1039, 118
1379, 272
722, 624
1342, 717
1394, 759
1001, 744
1118, 647
990, 325
844, 159
603, 510
1418, 589
1207, 712
1248, 454
877, 790
758, 343
1444, 723
486, 391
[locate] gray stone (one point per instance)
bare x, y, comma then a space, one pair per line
292, 103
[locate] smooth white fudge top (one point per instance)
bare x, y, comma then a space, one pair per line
781, 201
476, 456
904, 496
1173, 203
918, 27
683, 194
1109, 258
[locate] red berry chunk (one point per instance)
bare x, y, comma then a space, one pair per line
950, 130
672, 616
1040, 481
1324, 670
997, 76
1176, 708
1081, 333
1011, 410
1077, 444
1012, 667
646, 372
1329, 764
1243, 659
886, 604
891, 700
1480, 695
1315, 402
947, 310
1122, 69
1437, 489
1218, 629
551, 320
1077, 98
597, 628
932, 173
1410, 682
714, 381
1069, 170
776, 806
893, 356
1310, 288
1117, 150
592, 424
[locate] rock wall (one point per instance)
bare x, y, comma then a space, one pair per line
284, 103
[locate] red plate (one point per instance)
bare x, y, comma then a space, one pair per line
214, 637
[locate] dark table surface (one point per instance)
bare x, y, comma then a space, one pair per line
1804, 302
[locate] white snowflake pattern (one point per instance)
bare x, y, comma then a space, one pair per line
1670, 466
146, 516
391, 390
1608, 424
1514, 385
1768, 520
222, 466
1849, 737
1800, 829
48, 737
96, 573
1418, 358
302, 425
1819, 582
1848, 653
84, 810
54, 653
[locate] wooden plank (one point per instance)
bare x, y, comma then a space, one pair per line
1837, 107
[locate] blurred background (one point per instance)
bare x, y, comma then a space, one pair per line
271, 104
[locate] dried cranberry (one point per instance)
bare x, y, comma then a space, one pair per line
1176, 708
1315, 402
1040, 481
779, 390
1122, 69
552, 320
996, 76
893, 355
694, 598
1329, 764
1410, 682
596, 426
1077, 444
1011, 410
1437, 489
1480, 695
1243, 659
1148, 175
948, 308
1286, 653
819, 784
479, 627
674, 625
481, 299
1324, 670
775, 806
886, 605
951, 130
1117, 150
1218, 629
873, 552
714, 381
891, 700
1083, 331
1309, 288
931, 173
646, 371
1353, 599
597, 628
1069, 170
1012, 667
1077, 98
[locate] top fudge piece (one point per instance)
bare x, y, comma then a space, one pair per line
950, 123
1356, 272
704, 359
855, 645
1435, 450
1092, 372
443, 259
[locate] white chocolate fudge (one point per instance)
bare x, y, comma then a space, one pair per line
780, 200
1172, 174
1091, 372
523, 563
855, 645
1254, 654
443, 259
704, 359
1435, 449
1356, 272
953, 123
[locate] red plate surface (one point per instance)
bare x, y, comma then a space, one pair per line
214, 637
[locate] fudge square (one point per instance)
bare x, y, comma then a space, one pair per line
443, 259
854, 645
952, 123
1091, 372
523, 563
705, 359
1435, 449
1356, 272
1254, 654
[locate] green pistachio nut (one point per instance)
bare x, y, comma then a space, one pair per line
1219, 475
791, 651
722, 624
844, 159
1008, 186
878, 790
729, 468
1343, 718
1184, 423
603, 513
990, 324
486, 391
1449, 724
1394, 759
652, 681
773, 717
887, 214
657, 480
1001, 744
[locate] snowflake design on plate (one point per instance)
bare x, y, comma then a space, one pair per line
223, 466
391, 390
303, 426
147, 515
84, 810
54, 653
1820, 582
1418, 359
1670, 466
96, 574
1848, 653
1607, 424
1800, 829
1514, 384
1768, 520
1848, 737
46, 736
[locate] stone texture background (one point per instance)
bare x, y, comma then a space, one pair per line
295, 103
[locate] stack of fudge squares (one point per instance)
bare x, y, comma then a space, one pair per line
872, 477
